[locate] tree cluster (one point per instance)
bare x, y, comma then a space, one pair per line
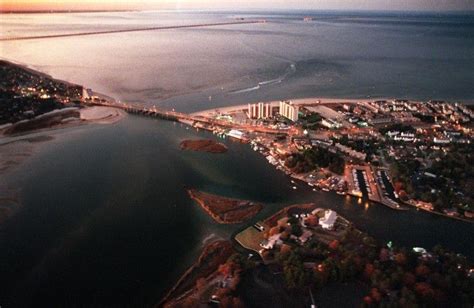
313, 158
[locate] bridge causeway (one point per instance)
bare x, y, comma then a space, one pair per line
180, 116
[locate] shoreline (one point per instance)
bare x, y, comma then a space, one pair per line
47, 121
308, 101
225, 249
417, 208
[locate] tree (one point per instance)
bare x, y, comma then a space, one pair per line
285, 249
422, 270
424, 290
400, 258
294, 272
384, 255
376, 295
409, 279
334, 245
296, 230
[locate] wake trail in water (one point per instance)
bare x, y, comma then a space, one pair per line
291, 69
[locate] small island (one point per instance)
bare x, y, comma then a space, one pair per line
203, 145
225, 210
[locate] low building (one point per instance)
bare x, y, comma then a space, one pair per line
303, 238
441, 140
330, 123
381, 120
351, 152
272, 241
237, 134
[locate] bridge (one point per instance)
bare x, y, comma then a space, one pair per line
35, 37
180, 116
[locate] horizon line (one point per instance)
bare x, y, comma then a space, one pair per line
56, 11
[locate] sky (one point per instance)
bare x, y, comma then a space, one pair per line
409, 5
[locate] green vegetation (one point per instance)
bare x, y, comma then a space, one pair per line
396, 276
397, 127
310, 120
311, 159
450, 187
368, 146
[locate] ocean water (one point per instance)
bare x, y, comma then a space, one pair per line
353, 55
104, 217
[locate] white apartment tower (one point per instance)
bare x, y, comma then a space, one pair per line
260, 111
288, 110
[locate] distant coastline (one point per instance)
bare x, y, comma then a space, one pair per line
61, 11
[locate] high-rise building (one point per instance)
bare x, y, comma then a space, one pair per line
288, 110
260, 111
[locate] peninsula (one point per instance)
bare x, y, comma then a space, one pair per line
225, 210
32, 100
302, 251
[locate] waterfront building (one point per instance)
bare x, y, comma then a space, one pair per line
259, 111
327, 222
237, 134
329, 123
87, 93
288, 110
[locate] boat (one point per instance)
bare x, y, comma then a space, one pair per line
325, 189
294, 187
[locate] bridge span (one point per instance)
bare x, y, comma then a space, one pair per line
180, 116
35, 37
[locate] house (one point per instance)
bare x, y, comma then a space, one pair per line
305, 236
327, 222
272, 241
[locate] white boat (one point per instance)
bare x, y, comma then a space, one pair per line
294, 187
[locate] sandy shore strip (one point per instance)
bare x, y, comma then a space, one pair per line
102, 115
64, 118
298, 101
